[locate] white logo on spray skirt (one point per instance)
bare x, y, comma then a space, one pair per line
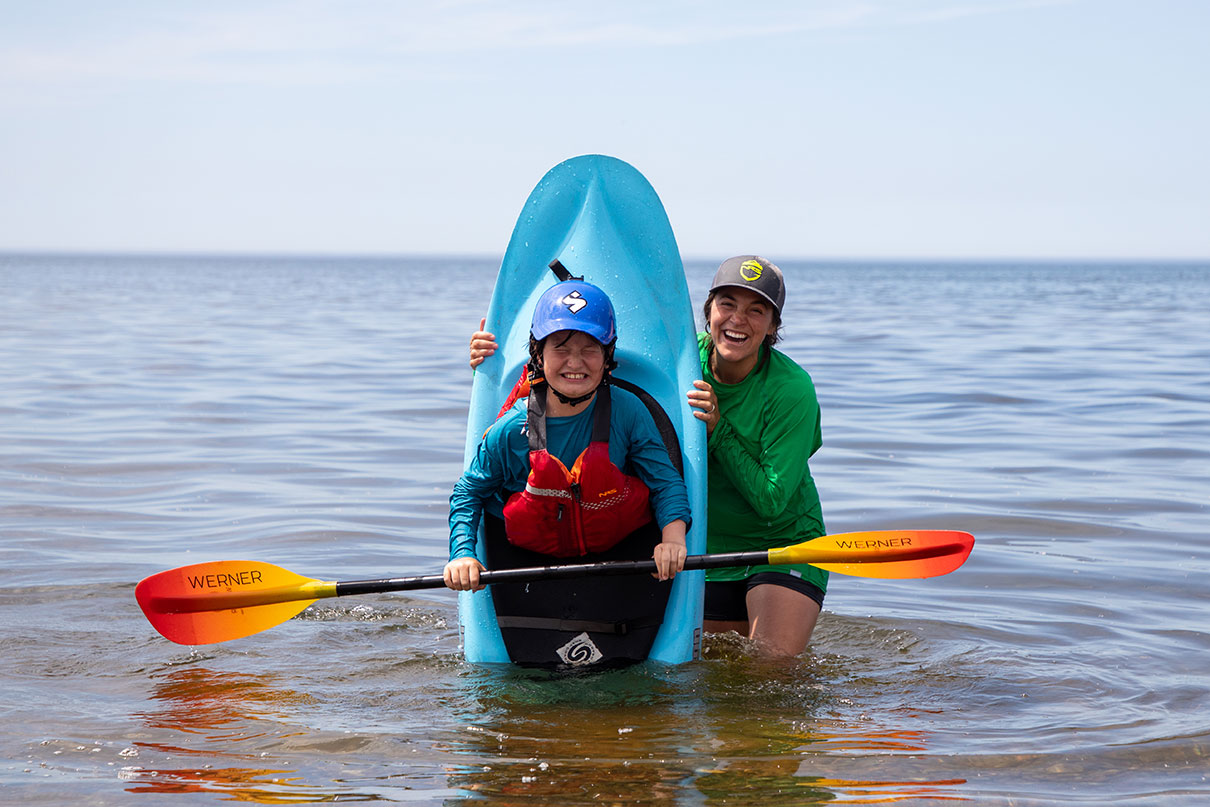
579, 651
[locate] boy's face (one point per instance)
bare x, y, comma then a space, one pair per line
573, 363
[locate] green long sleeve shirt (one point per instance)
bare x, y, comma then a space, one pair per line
761, 493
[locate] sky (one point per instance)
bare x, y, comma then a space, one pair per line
1016, 129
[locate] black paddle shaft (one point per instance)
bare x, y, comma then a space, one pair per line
562, 572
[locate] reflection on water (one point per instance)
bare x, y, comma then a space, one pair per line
218, 707
731, 728
572, 738
214, 712
235, 784
741, 730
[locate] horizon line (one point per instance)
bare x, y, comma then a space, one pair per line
6, 252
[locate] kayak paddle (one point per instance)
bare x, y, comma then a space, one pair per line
228, 599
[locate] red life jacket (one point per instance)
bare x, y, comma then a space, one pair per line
566, 513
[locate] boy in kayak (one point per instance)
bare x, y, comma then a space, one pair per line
578, 467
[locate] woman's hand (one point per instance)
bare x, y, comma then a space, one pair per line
702, 397
462, 574
669, 554
483, 344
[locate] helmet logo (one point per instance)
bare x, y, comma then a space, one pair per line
574, 302
750, 270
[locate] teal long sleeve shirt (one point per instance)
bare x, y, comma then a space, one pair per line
501, 464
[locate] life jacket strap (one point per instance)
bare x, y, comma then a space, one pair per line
535, 417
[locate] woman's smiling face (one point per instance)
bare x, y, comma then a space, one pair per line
739, 322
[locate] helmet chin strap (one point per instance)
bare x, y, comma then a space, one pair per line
573, 401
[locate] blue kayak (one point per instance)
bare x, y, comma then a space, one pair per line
597, 218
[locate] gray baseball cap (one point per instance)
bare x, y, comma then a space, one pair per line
754, 273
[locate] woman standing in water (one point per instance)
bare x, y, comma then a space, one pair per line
762, 425
762, 422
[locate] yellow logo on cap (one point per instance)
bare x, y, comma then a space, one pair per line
750, 270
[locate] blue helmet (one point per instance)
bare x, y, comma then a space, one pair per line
574, 305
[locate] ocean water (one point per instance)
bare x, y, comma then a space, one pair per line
160, 411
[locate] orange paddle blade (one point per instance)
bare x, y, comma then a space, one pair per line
227, 599
889, 554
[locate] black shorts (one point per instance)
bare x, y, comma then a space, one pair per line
726, 600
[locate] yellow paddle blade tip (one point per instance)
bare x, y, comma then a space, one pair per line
888, 554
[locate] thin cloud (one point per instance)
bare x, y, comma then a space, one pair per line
951, 12
324, 42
